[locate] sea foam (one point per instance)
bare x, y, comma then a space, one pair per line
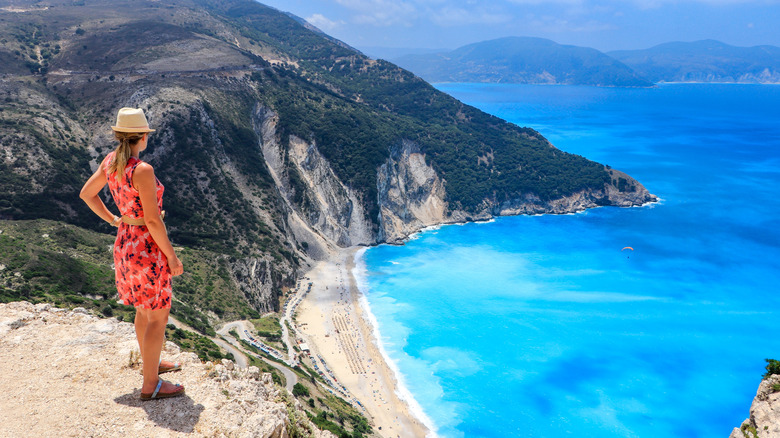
359, 273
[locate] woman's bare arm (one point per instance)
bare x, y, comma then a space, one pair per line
144, 182
91, 191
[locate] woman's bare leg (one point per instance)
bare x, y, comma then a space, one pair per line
140, 329
150, 331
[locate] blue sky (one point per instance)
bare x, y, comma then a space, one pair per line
601, 24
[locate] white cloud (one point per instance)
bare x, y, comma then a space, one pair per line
324, 23
460, 16
549, 24
381, 12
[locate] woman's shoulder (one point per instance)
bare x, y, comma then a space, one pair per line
142, 168
107, 160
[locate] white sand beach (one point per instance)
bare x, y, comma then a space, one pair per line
333, 324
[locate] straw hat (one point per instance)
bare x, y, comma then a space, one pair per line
131, 120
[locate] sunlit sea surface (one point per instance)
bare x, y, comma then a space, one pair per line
543, 326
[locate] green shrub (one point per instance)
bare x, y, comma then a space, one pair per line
300, 390
772, 367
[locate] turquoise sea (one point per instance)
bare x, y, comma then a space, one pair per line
542, 326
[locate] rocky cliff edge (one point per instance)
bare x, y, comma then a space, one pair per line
73, 374
764, 420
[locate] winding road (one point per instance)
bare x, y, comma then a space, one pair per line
240, 360
239, 327
232, 346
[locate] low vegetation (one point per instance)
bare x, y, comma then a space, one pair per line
269, 329
772, 367
331, 413
204, 347
53, 262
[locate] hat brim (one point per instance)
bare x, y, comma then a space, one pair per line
123, 129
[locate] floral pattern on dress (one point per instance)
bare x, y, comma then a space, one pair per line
143, 278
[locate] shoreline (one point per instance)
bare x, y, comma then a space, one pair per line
402, 390
336, 299
335, 320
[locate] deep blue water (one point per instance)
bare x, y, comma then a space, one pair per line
543, 326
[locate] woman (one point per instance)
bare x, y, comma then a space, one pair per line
143, 256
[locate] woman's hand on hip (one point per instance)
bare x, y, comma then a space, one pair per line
175, 265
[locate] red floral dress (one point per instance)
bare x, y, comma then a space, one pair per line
143, 278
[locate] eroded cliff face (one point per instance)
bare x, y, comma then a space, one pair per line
254, 278
764, 420
411, 194
322, 210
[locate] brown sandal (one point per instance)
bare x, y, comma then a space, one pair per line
158, 395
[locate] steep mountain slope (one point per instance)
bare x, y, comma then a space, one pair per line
523, 60
704, 61
273, 141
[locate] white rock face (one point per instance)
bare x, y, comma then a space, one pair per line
764, 421
253, 277
411, 194
327, 212
332, 208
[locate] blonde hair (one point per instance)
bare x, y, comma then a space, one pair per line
122, 154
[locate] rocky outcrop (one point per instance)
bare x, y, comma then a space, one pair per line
254, 278
764, 420
411, 194
634, 194
323, 210
72, 374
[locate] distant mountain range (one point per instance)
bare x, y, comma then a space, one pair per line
523, 60
541, 61
704, 61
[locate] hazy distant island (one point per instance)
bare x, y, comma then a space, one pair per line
704, 61
524, 60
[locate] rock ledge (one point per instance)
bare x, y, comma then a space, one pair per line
67, 373
764, 421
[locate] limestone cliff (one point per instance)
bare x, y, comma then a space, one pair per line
411, 195
764, 420
254, 278
321, 209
